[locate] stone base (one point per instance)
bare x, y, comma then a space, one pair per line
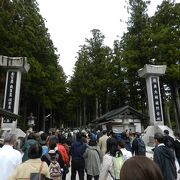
148, 135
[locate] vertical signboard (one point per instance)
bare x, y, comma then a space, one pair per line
10, 93
156, 98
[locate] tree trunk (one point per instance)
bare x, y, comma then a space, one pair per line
175, 95
43, 119
100, 109
84, 111
168, 115
97, 108
38, 118
80, 116
176, 118
107, 101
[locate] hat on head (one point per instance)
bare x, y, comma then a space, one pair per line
52, 151
115, 131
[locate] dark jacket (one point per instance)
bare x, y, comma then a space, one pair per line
26, 147
177, 148
77, 150
165, 159
169, 141
135, 147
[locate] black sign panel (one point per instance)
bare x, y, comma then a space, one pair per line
156, 99
10, 94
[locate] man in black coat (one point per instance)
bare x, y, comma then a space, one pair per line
77, 150
168, 140
138, 145
164, 157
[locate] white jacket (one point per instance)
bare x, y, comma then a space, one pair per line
9, 159
107, 168
126, 154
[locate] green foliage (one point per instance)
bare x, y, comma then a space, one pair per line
23, 33
165, 38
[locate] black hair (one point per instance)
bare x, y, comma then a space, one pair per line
78, 136
104, 131
92, 143
110, 143
31, 136
35, 151
121, 143
166, 131
115, 151
43, 136
61, 139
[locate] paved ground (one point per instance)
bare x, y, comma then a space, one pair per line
149, 154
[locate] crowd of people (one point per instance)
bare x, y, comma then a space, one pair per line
99, 155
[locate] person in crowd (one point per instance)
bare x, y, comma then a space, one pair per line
69, 139
111, 140
85, 137
77, 150
64, 142
131, 136
30, 140
9, 157
99, 133
138, 145
52, 138
43, 143
103, 142
54, 154
126, 154
168, 140
177, 148
140, 168
93, 159
32, 165
107, 169
61, 146
47, 157
126, 139
164, 158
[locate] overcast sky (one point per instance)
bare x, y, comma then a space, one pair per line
70, 22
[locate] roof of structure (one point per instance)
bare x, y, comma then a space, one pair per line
126, 110
8, 114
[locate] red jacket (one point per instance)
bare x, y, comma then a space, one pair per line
63, 153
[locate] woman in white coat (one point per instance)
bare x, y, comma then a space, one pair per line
108, 170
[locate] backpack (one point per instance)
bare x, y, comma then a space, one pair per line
55, 169
141, 147
118, 162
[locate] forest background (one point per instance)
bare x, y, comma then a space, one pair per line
104, 78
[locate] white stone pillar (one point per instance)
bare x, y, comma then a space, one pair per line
15, 66
152, 73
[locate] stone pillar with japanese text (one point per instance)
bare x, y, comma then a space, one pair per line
152, 73
15, 66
